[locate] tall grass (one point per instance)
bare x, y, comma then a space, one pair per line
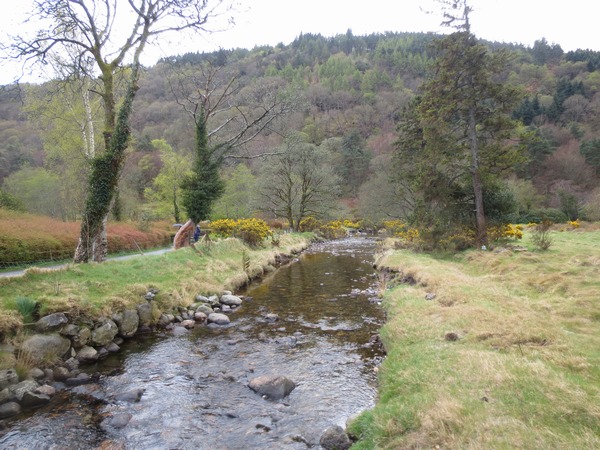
525, 371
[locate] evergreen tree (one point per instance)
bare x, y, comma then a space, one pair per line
204, 186
463, 117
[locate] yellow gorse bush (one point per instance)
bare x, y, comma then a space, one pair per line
309, 224
333, 230
251, 231
394, 227
349, 224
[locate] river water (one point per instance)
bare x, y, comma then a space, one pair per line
195, 393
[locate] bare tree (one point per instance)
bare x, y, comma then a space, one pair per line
226, 117
91, 30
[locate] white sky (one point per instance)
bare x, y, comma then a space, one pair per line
572, 24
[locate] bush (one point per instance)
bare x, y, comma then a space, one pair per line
251, 231
223, 227
541, 235
538, 215
332, 230
309, 224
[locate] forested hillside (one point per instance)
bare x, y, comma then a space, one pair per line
345, 98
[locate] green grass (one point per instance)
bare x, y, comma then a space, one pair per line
94, 290
525, 372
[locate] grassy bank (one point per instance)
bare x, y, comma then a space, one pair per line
94, 290
507, 354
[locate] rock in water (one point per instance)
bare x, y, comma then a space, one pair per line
335, 438
274, 387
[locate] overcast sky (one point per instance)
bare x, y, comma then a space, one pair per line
571, 24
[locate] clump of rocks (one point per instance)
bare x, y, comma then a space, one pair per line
60, 346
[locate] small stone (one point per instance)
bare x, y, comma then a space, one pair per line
134, 395
61, 373
36, 373
335, 438
8, 377
80, 379
87, 354
272, 317
430, 296
189, 324
180, 331
72, 363
225, 308
46, 390
200, 317
118, 420
451, 337
273, 387
112, 348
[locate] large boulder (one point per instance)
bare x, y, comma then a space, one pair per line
219, 319
144, 311
273, 387
335, 438
44, 348
18, 390
51, 322
9, 409
127, 321
105, 333
231, 300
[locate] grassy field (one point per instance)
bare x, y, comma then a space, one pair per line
507, 354
94, 290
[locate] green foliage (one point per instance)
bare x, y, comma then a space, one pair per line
203, 186
9, 201
38, 190
238, 199
591, 152
569, 205
166, 192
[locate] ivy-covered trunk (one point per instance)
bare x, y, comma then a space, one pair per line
103, 181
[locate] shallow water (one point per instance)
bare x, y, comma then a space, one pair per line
195, 386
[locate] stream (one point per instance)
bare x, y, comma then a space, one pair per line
194, 388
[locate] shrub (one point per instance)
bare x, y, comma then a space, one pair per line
506, 231
541, 235
309, 224
394, 227
252, 231
349, 224
223, 227
333, 230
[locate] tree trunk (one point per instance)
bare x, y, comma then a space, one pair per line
104, 178
477, 185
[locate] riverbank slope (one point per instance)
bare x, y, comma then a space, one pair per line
490, 349
95, 290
